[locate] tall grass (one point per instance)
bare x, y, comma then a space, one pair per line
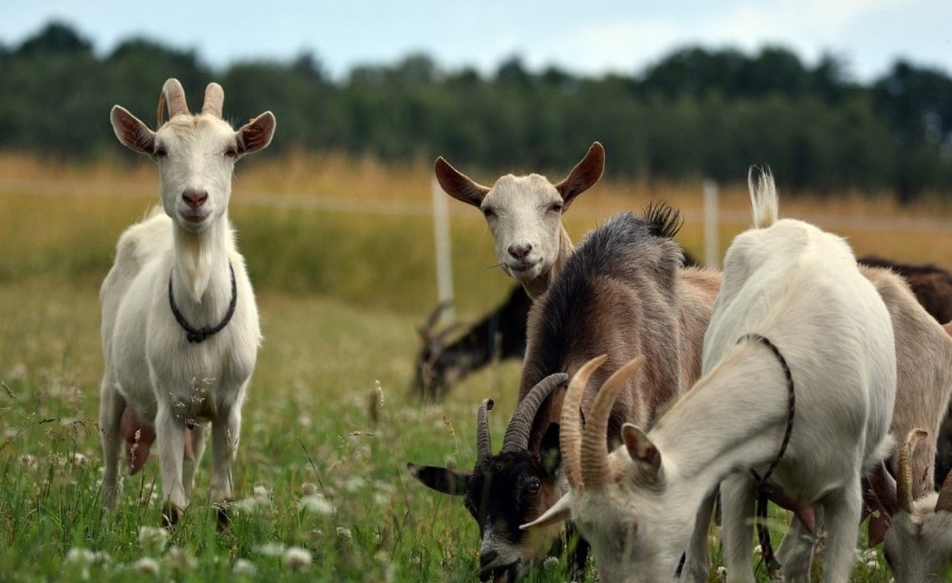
319, 468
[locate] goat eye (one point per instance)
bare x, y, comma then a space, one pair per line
160, 152
231, 152
556, 207
534, 486
488, 213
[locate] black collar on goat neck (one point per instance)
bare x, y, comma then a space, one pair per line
202, 334
763, 488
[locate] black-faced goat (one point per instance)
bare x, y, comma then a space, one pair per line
623, 292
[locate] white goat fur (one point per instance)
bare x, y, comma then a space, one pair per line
524, 215
168, 382
800, 288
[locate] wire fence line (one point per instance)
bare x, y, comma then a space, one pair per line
52, 187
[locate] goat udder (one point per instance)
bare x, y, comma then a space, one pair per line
139, 439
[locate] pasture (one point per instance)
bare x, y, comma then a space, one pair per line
341, 254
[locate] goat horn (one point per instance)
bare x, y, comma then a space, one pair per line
904, 479
174, 95
595, 471
214, 97
517, 434
570, 433
484, 448
945, 495
426, 328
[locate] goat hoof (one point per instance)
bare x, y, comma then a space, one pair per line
221, 514
170, 515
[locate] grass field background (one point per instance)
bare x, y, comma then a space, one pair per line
341, 254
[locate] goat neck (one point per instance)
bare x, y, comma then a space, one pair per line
200, 268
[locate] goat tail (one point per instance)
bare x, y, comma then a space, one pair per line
763, 196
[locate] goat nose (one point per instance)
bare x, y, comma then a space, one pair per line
487, 557
194, 198
520, 251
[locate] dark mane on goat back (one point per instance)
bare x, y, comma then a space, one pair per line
638, 251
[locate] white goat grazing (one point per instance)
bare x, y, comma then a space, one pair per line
180, 327
794, 319
524, 214
918, 545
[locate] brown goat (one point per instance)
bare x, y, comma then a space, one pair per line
623, 292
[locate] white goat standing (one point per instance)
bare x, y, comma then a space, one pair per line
799, 288
179, 323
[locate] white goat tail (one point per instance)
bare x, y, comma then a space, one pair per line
763, 196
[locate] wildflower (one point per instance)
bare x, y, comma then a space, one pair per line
316, 504
27, 459
146, 566
270, 549
261, 492
344, 533
308, 488
244, 568
179, 560
152, 539
297, 559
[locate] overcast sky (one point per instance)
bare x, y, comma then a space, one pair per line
588, 37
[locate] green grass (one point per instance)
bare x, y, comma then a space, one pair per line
340, 295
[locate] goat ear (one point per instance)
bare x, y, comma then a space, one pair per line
458, 185
884, 487
640, 448
256, 134
585, 174
559, 512
133, 134
443, 480
550, 452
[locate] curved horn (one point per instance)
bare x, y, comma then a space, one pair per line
517, 434
945, 495
904, 478
214, 97
570, 432
484, 447
174, 95
595, 471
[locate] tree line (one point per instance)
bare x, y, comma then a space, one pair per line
695, 113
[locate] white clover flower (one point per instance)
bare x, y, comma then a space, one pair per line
308, 488
253, 504
147, 566
270, 549
316, 504
261, 492
244, 568
152, 539
28, 459
81, 556
354, 483
179, 560
80, 459
297, 559
344, 533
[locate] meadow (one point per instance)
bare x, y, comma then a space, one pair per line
341, 254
